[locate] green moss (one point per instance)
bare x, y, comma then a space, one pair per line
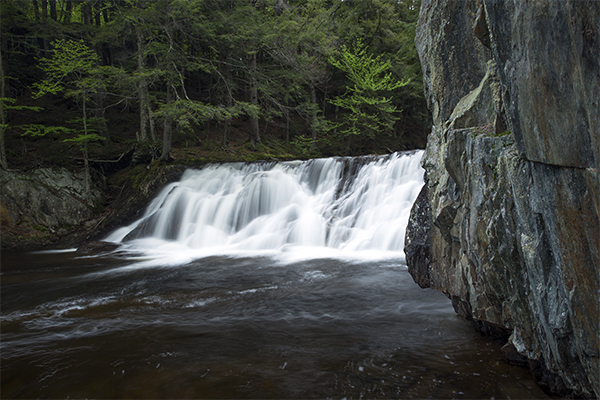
40, 228
138, 173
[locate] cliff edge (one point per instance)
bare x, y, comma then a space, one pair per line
508, 223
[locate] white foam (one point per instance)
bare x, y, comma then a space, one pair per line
290, 211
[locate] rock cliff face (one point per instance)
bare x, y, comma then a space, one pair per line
46, 207
40, 206
508, 224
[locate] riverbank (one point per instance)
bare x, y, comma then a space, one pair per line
46, 208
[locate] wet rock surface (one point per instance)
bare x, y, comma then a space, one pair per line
97, 247
132, 198
47, 207
39, 206
512, 199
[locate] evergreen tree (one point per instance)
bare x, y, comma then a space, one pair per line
305, 42
387, 28
371, 110
262, 65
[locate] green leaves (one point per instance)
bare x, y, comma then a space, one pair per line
371, 112
72, 62
8, 103
187, 62
73, 70
364, 70
189, 112
81, 140
39, 130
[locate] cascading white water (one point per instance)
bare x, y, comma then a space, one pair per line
324, 206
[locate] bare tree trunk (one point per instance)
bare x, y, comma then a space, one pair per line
229, 101
286, 114
43, 41
84, 149
44, 9
36, 10
313, 122
53, 10
143, 95
227, 134
85, 130
254, 131
86, 166
106, 14
87, 13
3, 161
142, 91
99, 114
151, 121
68, 12
323, 112
167, 129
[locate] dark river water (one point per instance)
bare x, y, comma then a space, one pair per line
244, 327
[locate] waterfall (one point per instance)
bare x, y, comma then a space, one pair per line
338, 205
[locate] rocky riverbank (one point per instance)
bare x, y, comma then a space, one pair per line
508, 224
46, 208
40, 206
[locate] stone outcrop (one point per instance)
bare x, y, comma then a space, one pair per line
39, 206
135, 194
47, 207
508, 223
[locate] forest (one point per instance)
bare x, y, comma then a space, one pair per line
84, 82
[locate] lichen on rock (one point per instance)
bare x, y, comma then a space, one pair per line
511, 207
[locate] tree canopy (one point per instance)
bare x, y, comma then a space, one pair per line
233, 75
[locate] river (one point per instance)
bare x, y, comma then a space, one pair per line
270, 280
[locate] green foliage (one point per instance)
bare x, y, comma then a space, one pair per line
81, 140
72, 62
73, 70
39, 130
307, 70
188, 113
371, 111
303, 145
364, 70
9, 104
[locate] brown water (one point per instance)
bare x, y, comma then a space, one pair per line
221, 327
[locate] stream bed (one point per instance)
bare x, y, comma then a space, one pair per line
115, 326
